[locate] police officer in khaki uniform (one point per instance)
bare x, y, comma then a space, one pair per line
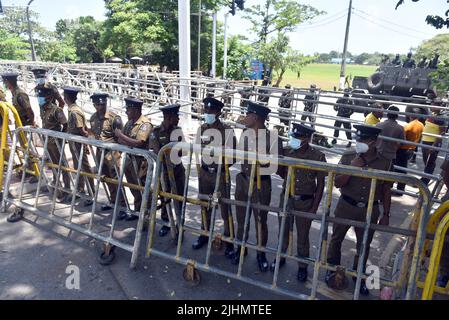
21, 102
255, 127
20, 99
53, 119
305, 195
217, 134
354, 197
40, 75
135, 135
102, 126
76, 125
161, 136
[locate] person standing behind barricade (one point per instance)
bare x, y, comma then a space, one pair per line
20, 101
53, 119
285, 103
435, 125
40, 75
413, 132
254, 121
161, 136
392, 129
76, 125
216, 134
245, 96
353, 201
304, 195
310, 104
102, 124
264, 94
374, 117
135, 135
344, 110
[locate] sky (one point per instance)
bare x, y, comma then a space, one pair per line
375, 24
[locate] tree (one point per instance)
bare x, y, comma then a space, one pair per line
437, 21
239, 54
56, 50
13, 47
280, 57
438, 44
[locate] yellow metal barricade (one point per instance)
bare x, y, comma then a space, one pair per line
438, 225
5, 108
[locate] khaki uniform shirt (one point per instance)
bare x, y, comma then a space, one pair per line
76, 121
21, 102
390, 128
227, 139
305, 181
358, 188
53, 118
139, 130
161, 136
103, 127
252, 146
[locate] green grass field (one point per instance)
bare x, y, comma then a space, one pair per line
325, 76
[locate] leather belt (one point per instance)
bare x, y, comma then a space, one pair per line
212, 169
263, 178
302, 197
358, 204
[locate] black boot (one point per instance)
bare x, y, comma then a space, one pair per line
235, 258
262, 262
164, 231
302, 274
229, 250
200, 242
273, 264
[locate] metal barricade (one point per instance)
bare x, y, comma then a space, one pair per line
405, 286
6, 137
100, 225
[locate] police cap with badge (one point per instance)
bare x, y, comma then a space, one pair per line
131, 102
9, 75
365, 132
213, 103
99, 98
72, 92
258, 109
301, 131
39, 72
171, 109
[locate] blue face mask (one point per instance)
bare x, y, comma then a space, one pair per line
40, 81
209, 118
42, 101
295, 143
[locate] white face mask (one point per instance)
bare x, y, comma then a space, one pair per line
361, 147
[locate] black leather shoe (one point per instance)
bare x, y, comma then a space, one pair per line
229, 250
122, 215
273, 264
15, 217
363, 289
105, 207
262, 262
329, 275
131, 217
199, 243
302, 274
88, 203
235, 258
164, 231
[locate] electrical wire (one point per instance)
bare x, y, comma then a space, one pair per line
322, 24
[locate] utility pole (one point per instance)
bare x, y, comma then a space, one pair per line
225, 49
33, 50
184, 53
199, 38
214, 46
345, 49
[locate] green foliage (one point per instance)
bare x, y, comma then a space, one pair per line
438, 44
13, 47
56, 50
434, 20
239, 54
441, 76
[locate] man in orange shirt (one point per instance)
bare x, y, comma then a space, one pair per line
413, 132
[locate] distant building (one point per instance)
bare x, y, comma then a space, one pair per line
339, 60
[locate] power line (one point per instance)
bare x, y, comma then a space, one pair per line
393, 23
326, 18
387, 28
322, 24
